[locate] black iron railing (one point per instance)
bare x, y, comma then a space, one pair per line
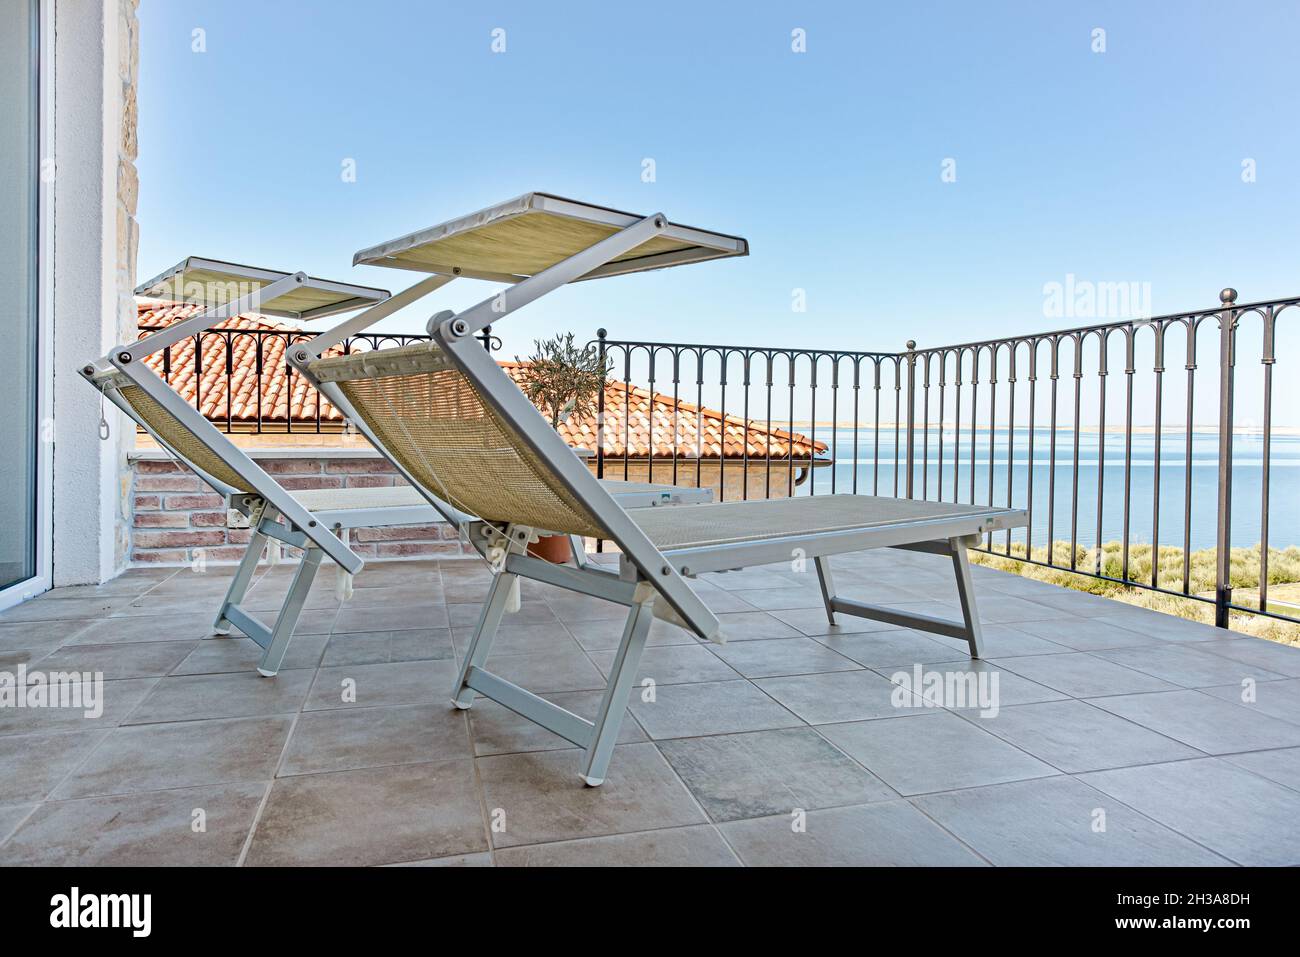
186, 366
1140, 485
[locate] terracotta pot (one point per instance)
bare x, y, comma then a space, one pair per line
552, 548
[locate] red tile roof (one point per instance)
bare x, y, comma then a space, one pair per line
227, 388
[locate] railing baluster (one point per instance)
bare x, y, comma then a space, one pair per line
1268, 360
1192, 328
1129, 369
1223, 537
1102, 342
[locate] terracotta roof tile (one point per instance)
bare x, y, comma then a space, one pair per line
226, 387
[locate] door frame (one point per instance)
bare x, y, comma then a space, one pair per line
42, 580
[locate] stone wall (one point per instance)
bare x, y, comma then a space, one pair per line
128, 239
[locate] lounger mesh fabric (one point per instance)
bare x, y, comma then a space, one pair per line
176, 435
428, 415
724, 523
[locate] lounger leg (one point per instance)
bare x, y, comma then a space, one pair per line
578, 546
828, 586
494, 607
622, 677
287, 620
243, 578
966, 592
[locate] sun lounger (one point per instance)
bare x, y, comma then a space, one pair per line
458, 427
315, 520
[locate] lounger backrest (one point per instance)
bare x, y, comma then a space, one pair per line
432, 420
172, 432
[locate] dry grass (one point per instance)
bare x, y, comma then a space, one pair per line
1283, 580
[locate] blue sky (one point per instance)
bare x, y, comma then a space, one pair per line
1122, 166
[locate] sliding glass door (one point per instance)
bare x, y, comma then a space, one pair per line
21, 498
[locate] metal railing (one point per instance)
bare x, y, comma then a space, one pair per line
311, 414
1028, 421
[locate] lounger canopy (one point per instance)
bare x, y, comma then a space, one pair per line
211, 282
519, 238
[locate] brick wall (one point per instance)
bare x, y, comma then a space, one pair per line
178, 518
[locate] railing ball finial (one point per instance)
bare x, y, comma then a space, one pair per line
911, 344
601, 333
1228, 296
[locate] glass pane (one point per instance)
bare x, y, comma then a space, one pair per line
19, 166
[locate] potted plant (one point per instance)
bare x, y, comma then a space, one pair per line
564, 380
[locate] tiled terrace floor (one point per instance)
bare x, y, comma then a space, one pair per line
1122, 736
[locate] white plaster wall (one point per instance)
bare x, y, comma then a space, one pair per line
88, 121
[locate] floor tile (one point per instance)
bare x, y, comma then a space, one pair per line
1206, 723
752, 625
776, 657
539, 797
481, 859
235, 653
196, 697
842, 696
1277, 699
773, 599
110, 631
1004, 641
813, 622
696, 846
155, 829
512, 638
543, 672
1082, 675
498, 730
370, 816
760, 773
1259, 653
1054, 822
567, 606
1281, 766
1087, 634
351, 738
901, 647
875, 835
932, 751
962, 687
156, 757
10, 818
46, 609
1185, 665
1156, 624
377, 647
675, 664
382, 686
465, 616
710, 707
117, 698
35, 763
1231, 811
1074, 736
145, 659
396, 618
606, 635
